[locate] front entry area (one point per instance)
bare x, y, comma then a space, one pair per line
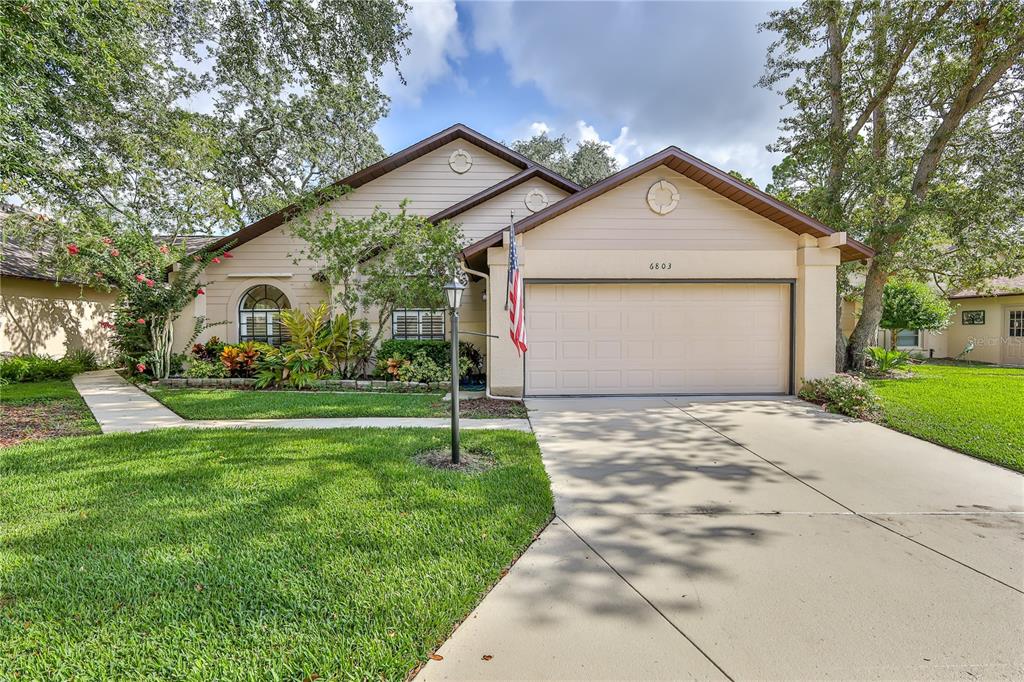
665, 337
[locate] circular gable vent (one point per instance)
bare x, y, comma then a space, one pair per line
662, 197
460, 161
536, 200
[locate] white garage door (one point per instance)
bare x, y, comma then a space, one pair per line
644, 338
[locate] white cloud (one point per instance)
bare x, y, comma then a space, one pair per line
658, 73
539, 128
434, 44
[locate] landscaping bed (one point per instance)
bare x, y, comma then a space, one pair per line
975, 409
42, 409
220, 554
194, 403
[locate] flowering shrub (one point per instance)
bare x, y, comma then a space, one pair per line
204, 369
149, 298
844, 394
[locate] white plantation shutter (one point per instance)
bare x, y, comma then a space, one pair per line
414, 323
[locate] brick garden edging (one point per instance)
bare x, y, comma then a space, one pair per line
321, 385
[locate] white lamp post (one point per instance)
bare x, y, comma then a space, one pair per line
453, 291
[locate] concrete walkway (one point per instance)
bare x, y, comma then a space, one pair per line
753, 539
120, 407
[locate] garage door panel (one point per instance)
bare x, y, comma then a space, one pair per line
657, 338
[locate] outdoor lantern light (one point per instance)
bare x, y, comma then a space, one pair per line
453, 290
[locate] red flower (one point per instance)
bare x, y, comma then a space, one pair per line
215, 260
164, 249
106, 325
227, 254
140, 278
200, 292
108, 241
72, 249
141, 320
141, 367
149, 283
115, 253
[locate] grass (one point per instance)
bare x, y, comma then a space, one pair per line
264, 554
974, 409
43, 409
228, 404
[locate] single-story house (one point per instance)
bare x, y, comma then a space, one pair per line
989, 321
41, 314
670, 276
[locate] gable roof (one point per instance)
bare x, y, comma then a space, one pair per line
997, 286
385, 166
703, 173
503, 186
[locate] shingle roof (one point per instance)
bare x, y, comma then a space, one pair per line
699, 171
998, 286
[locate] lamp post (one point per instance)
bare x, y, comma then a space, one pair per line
453, 291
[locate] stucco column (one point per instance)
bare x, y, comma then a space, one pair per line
504, 365
815, 310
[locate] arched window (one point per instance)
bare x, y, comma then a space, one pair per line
259, 315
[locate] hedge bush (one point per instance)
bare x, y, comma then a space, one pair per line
436, 350
26, 368
844, 394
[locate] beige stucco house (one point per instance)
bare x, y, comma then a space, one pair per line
41, 315
668, 277
989, 322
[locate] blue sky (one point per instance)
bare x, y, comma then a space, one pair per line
638, 75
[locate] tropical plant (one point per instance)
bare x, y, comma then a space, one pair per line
240, 360
887, 360
396, 350
843, 394
271, 369
205, 369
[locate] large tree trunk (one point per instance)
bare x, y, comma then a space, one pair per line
870, 316
840, 339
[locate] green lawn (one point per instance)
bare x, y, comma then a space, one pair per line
197, 403
227, 554
977, 410
43, 409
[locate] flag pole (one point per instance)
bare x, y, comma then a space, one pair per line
511, 236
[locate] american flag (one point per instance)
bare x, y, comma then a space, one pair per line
517, 329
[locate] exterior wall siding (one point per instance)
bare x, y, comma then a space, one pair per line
429, 185
617, 237
989, 339
43, 318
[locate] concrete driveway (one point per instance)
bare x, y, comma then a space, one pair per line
753, 539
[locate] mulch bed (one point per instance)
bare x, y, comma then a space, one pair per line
488, 408
470, 461
51, 419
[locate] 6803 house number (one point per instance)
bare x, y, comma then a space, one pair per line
660, 265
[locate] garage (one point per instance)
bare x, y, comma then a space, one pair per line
658, 337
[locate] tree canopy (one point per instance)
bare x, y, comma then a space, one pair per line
905, 131
162, 116
588, 163
907, 304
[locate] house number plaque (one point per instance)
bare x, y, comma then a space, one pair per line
660, 265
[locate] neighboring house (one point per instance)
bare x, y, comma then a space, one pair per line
668, 277
42, 315
991, 320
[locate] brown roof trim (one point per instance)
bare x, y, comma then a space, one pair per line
964, 297
382, 167
503, 186
699, 171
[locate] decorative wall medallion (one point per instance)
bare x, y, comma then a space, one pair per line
460, 161
662, 197
535, 200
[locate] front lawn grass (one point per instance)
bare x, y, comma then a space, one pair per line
43, 409
251, 554
978, 410
198, 403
